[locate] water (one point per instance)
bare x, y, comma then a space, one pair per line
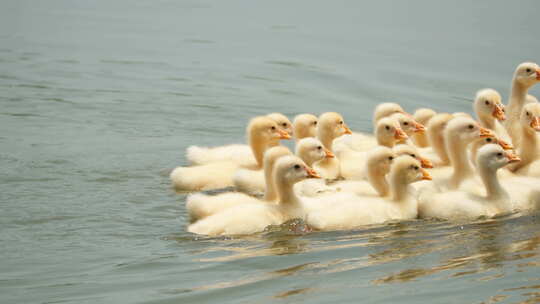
98, 100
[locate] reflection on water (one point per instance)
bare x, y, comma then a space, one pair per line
478, 252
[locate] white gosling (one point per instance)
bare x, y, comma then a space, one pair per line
526, 75
479, 143
262, 132
330, 126
200, 205
240, 154
309, 149
490, 112
463, 204
352, 162
398, 205
458, 134
529, 151
362, 141
255, 217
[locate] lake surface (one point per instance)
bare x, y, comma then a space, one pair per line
99, 99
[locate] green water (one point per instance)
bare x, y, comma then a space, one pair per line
99, 99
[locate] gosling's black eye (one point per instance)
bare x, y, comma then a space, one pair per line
488, 139
503, 109
406, 123
319, 147
390, 158
413, 155
487, 102
314, 123
273, 128
341, 122
387, 127
528, 70
470, 126
416, 168
297, 167
528, 114
284, 124
499, 154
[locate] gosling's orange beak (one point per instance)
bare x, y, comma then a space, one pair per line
538, 74
329, 153
486, 133
400, 135
347, 130
498, 113
535, 124
512, 158
426, 163
505, 145
283, 134
426, 175
418, 127
311, 173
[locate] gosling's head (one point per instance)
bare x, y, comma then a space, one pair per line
332, 124
530, 117
493, 140
282, 121
487, 103
291, 169
386, 109
465, 130
423, 115
381, 158
494, 157
408, 170
305, 125
408, 124
527, 74
388, 128
412, 152
312, 150
264, 129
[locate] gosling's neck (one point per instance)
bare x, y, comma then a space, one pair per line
487, 121
289, 203
398, 188
458, 158
494, 191
326, 139
307, 159
475, 146
437, 143
420, 139
378, 181
270, 193
518, 95
258, 147
529, 148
